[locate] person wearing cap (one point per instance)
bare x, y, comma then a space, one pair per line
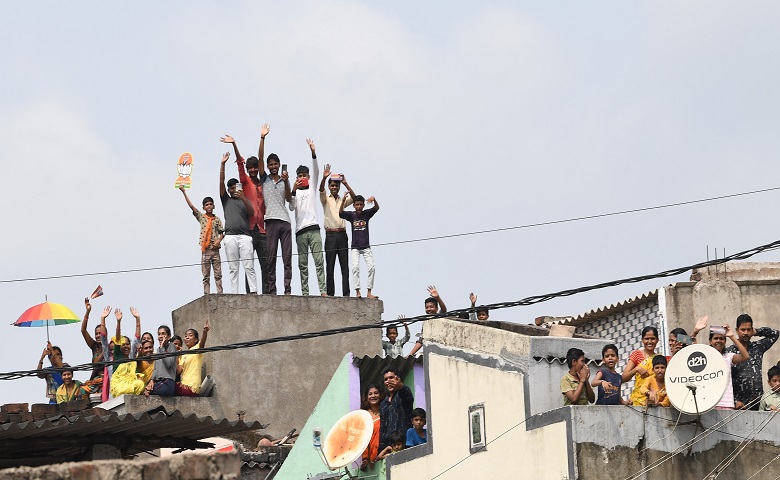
238, 240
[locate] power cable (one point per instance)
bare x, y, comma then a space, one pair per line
724, 464
707, 432
396, 322
766, 465
416, 240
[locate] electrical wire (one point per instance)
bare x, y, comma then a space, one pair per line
411, 320
724, 464
490, 442
766, 465
697, 438
416, 240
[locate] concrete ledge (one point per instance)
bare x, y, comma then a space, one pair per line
200, 406
277, 383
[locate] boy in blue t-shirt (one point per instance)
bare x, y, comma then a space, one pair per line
607, 379
417, 435
360, 243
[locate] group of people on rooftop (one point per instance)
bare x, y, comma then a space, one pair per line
257, 221
139, 374
745, 389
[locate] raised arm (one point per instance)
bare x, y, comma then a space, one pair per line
231, 140
103, 316
343, 202
118, 314
435, 294
136, 341
84, 333
346, 185
473, 314
743, 354
222, 190
376, 207
770, 336
264, 130
192, 207
204, 335
46, 353
315, 168
287, 191
134, 312
325, 176
700, 325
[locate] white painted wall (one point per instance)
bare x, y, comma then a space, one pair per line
455, 385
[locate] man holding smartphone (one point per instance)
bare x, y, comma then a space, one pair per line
238, 240
277, 194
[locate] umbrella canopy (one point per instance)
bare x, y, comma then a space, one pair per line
45, 314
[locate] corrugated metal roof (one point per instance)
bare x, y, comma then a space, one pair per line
602, 312
64, 438
371, 368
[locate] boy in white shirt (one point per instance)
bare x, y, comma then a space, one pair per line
307, 230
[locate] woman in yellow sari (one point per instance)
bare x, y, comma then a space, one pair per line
125, 380
640, 365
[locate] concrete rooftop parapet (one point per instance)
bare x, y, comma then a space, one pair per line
277, 383
739, 271
613, 439
502, 339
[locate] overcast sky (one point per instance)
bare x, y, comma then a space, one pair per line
457, 116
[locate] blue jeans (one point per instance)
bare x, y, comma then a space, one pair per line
164, 387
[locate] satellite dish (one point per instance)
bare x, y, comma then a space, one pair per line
696, 378
347, 439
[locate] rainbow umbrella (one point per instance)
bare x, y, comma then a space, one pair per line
45, 314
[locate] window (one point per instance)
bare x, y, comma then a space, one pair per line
477, 440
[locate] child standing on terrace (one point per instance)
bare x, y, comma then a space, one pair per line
211, 234
607, 379
655, 387
360, 242
392, 346
574, 385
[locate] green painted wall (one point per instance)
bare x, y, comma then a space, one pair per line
334, 404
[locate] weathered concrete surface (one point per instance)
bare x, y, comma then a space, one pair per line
720, 299
620, 441
218, 466
200, 406
278, 383
740, 271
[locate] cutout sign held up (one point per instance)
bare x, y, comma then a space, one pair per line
184, 167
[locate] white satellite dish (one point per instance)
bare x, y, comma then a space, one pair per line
347, 439
696, 378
